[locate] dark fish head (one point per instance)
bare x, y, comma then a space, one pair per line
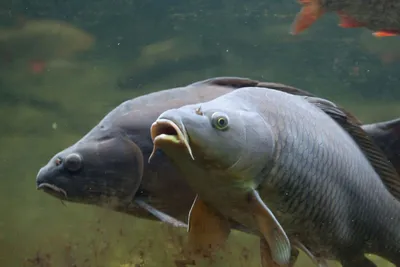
216, 136
94, 171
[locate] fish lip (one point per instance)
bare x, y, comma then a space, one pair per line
162, 128
53, 190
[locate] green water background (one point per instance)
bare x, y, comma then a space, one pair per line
144, 46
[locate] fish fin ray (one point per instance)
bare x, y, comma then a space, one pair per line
239, 82
284, 88
159, 214
208, 229
386, 33
226, 81
309, 13
317, 261
270, 228
266, 257
379, 161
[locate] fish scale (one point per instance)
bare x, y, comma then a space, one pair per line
301, 203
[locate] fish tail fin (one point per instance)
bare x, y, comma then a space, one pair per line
309, 13
385, 33
386, 135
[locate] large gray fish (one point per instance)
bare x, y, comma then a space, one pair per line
285, 167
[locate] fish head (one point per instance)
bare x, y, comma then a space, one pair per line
98, 171
220, 137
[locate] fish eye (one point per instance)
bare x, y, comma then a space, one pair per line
73, 162
219, 121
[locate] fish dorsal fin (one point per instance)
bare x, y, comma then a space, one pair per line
373, 153
240, 82
233, 82
284, 88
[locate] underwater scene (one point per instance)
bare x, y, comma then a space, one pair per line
80, 189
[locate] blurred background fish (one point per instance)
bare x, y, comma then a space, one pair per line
380, 16
36, 43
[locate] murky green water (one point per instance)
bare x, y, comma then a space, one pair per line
137, 47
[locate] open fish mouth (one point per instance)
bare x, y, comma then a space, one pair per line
53, 190
166, 131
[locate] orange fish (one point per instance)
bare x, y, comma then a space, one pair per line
352, 14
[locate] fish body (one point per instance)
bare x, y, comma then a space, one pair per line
307, 170
380, 16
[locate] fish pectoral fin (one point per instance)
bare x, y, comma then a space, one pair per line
208, 229
270, 228
317, 261
266, 257
265, 253
159, 214
382, 166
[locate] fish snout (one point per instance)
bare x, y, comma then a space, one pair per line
40, 178
45, 183
167, 132
94, 172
